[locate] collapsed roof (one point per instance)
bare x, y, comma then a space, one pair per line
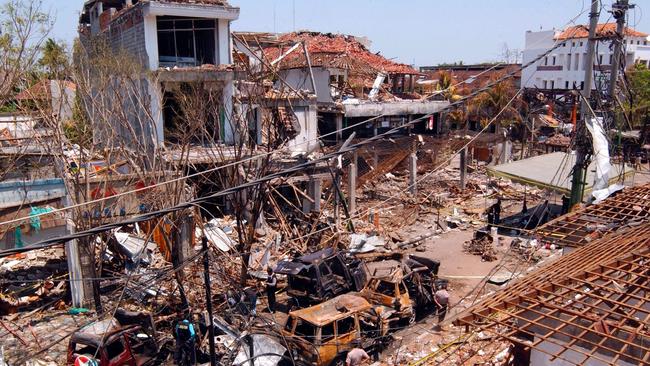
580, 227
588, 307
336, 51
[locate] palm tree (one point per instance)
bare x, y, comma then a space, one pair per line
54, 60
489, 103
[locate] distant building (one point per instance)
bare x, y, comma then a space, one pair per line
54, 96
564, 68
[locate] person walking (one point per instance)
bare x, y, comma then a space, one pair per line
356, 357
271, 288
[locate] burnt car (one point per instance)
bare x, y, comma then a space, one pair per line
127, 339
323, 334
421, 279
322, 275
405, 290
388, 289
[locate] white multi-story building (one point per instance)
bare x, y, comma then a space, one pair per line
564, 68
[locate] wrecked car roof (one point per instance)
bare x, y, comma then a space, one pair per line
334, 309
295, 266
289, 268
316, 256
93, 334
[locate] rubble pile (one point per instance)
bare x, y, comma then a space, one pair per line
32, 279
483, 247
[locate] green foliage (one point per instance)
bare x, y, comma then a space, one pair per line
23, 30
78, 129
54, 60
639, 78
487, 105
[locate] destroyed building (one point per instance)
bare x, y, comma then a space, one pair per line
175, 43
351, 83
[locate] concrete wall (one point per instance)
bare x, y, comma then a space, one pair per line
62, 99
306, 141
127, 34
396, 108
300, 79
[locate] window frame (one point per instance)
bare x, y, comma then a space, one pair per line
173, 30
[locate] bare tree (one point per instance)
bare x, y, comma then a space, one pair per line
24, 26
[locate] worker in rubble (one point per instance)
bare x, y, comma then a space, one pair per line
185, 337
441, 298
494, 213
356, 357
271, 288
250, 296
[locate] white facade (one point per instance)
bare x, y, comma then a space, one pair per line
152, 32
564, 68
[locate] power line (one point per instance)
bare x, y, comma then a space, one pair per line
262, 155
231, 190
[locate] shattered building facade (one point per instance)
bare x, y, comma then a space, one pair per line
351, 83
175, 43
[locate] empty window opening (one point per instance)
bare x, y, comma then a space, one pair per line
192, 114
186, 41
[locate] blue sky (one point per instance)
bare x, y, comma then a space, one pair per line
420, 32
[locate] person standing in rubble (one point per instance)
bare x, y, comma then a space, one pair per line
271, 288
494, 214
441, 298
250, 296
356, 357
185, 336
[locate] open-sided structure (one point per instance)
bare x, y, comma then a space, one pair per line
590, 307
632, 205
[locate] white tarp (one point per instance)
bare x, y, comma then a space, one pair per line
601, 189
375, 87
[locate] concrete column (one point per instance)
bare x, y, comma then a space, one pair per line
314, 190
463, 167
375, 158
183, 243
413, 169
86, 258
317, 191
339, 127
230, 129
352, 186
74, 273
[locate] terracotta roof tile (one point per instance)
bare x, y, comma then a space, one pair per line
602, 30
335, 50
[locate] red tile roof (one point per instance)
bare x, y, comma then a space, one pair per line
602, 30
335, 50
42, 90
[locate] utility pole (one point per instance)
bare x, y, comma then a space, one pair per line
619, 9
580, 167
208, 300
